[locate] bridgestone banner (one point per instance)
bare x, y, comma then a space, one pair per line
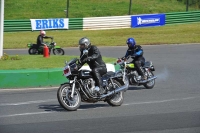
47, 24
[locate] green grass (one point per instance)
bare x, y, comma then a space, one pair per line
26, 9
38, 61
170, 34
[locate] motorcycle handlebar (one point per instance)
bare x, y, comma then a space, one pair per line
123, 58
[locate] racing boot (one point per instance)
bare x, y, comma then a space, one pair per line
98, 90
142, 73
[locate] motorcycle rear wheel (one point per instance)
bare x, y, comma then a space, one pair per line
151, 83
118, 98
32, 51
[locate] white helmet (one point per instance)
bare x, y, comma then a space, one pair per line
42, 32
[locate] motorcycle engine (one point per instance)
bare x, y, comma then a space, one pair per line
90, 85
134, 77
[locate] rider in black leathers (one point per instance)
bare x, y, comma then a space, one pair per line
40, 38
94, 59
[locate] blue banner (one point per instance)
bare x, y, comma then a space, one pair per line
147, 20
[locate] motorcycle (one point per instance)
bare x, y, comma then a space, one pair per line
57, 50
133, 77
81, 87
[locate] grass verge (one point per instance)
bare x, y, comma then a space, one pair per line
38, 61
26, 9
169, 34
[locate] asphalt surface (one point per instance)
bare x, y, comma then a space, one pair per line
172, 106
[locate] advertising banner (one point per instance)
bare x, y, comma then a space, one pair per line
147, 20
47, 24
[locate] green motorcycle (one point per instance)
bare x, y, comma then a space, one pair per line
34, 50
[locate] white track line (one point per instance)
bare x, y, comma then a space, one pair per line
28, 102
137, 103
28, 89
162, 101
24, 114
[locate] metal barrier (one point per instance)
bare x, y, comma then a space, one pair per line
75, 23
17, 25
114, 22
182, 17
25, 25
96, 23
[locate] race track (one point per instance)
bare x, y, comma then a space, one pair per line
172, 106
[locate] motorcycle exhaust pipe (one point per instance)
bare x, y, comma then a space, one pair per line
122, 88
144, 81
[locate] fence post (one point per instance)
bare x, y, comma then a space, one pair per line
1, 26
187, 5
130, 5
67, 12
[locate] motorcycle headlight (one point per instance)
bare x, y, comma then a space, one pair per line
55, 44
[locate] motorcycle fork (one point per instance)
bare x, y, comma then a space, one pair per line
124, 74
73, 87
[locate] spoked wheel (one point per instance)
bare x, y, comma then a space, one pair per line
32, 51
58, 51
118, 98
151, 83
66, 101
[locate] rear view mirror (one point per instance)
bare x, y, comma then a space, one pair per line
65, 62
85, 52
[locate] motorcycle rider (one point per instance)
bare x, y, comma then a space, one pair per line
94, 60
40, 43
136, 53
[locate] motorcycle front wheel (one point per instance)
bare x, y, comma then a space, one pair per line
66, 101
58, 51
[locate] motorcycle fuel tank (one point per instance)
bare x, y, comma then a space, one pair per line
131, 65
85, 74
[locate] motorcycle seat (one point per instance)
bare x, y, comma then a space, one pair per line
148, 64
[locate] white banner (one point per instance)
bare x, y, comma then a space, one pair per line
47, 24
